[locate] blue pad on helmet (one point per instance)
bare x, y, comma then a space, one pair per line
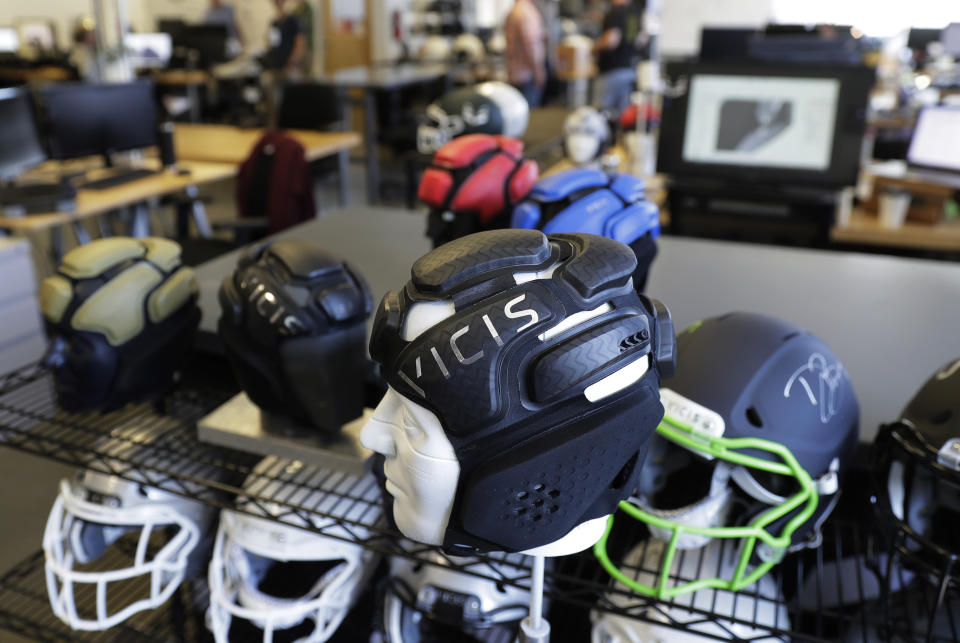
563, 184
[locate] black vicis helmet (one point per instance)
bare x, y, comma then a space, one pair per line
544, 376
916, 468
293, 325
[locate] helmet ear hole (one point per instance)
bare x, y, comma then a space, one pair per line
754, 418
625, 473
942, 417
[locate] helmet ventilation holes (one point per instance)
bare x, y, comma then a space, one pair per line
754, 418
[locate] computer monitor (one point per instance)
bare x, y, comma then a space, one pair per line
764, 123
209, 41
172, 26
725, 43
37, 34
9, 40
918, 39
148, 50
22, 148
84, 119
936, 139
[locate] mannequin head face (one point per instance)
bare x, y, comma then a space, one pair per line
420, 465
495, 436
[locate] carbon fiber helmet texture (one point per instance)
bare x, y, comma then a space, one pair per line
537, 457
121, 314
293, 325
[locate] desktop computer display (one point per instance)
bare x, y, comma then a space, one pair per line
21, 148
936, 139
726, 43
87, 119
209, 41
9, 40
752, 122
148, 50
769, 122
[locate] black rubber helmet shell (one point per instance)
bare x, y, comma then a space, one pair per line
537, 457
293, 325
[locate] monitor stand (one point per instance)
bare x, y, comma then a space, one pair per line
761, 213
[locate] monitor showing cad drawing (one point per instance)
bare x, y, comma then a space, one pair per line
782, 122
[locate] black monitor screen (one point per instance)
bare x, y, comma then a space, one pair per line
21, 148
209, 41
776, 123
86, 119
920, 38
724, 43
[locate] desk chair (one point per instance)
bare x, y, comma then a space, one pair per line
312, 106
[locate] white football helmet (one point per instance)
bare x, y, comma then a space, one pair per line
278, 576
436, 49
586, 135
423, 601
158, 532
467, 47
487, 108
757, 607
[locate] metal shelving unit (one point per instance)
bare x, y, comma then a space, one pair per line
822, 600
25, 610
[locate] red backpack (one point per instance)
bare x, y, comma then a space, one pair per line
275, 182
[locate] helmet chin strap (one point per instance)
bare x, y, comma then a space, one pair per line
710, 511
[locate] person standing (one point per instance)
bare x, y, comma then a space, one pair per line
304, 13
525, 53
287, 43
618, 52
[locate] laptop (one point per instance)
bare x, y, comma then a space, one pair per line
934, 152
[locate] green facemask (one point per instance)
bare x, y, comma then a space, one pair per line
736, 452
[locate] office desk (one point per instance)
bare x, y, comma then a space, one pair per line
865, 229
232, 145
190, 79
92, 203
370, 80
50, 73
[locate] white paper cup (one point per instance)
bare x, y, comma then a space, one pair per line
893, 208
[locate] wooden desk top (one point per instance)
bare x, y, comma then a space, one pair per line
865, 229
90, 203
228, 144
27, 74
181, 77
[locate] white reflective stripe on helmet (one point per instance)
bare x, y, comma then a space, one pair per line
166, 570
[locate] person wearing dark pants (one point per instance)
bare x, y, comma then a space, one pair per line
618, 52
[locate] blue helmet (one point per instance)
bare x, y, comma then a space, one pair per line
594, 202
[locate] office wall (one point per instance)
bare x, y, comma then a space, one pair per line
64, 14
682, 20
